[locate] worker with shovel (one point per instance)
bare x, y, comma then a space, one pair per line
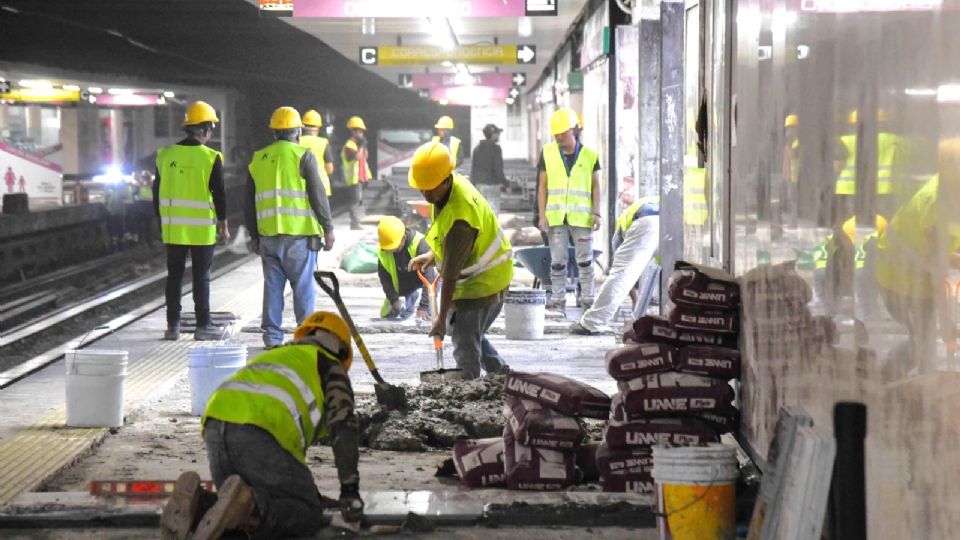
474, 256
257, 428
402, 288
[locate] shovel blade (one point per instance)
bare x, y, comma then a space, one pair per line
441, 375
390, 396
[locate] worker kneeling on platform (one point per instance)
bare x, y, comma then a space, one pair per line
398, 246
475, 260
257, 428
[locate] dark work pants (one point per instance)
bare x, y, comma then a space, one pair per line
202, 258
356, 205
287, 497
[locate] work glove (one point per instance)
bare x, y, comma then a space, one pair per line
398, 305
351, 505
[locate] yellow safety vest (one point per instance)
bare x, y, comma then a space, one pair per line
847, 181
454, 147
695, 210
888, 145
626, 218
283, 206
795, 162
280, 392
489, 268
388, 261
351, 173
145, 193
569, 197
187, 215
318, 147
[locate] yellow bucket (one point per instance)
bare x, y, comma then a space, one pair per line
695, 487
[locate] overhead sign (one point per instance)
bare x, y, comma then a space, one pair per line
417, 8
857, 6
405, 80
542, 7
514, 93
519, 79
394, 55
277, 7
438, 80
41, 95
469, 95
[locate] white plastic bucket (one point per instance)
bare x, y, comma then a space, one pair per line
523, 313
210, 365
95, 380
695, 489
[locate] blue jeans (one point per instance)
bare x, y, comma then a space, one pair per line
285, 258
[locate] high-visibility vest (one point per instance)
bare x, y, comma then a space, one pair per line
145, 193
695, 211
887, 146
283, 206
388, 261
489, 268
454, 147
279, 391
795, 161
187, 215
318, 147
847, 181
351, 172
570, 196
626, 218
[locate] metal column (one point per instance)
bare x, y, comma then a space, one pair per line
671, 139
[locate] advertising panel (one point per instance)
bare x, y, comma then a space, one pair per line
22, 172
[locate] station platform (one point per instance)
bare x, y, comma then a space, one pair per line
160, 437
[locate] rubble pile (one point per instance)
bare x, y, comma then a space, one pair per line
673, 378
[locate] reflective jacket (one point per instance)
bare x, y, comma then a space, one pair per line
569, 197
187, 215
389, 263
282, 204
454, 147
351, 170
318, 147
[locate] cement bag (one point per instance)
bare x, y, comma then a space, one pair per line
587, 461
652, 328
626, 460
671, 394
716, 362
540, 427
654, 431
726, 420
701, 287
536, 469
703, 320
479, 462
628, 482
361, 259
526, 236
559, 393
633, 361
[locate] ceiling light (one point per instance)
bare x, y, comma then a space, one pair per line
119, 91
71, 87
525, 27
920, 92
161, 100
38, 84
169, 95
948, 93
95, 90
446, 63
368, 26
443, 101
511, 101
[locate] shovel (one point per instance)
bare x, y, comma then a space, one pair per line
438, 374
388, 395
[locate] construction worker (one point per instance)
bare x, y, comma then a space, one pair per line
356, 170
257, 427
568, 198
920, 245
844, 264
143, 208
486, 166
287, 213
190, 200
474, 256
319, 147
635, 242
398, 246
444, 127
891, 151
791, 165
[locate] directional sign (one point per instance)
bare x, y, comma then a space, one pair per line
526, 54
420, 8
519, 79
405, 80
514, 93
541, 7
437, 80
468, 54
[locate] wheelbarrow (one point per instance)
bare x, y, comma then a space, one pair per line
536, 259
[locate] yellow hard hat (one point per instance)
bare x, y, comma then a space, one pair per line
445, 122
199, 112
331, 322
312, 118
432, 164
882, 115
285, 118
563, 119
850, 227
355, 122
390, 231
852, 117
791, 120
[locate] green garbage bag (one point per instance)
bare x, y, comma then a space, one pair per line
360, 259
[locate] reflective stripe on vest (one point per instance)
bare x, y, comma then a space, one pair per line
187, 215
569, 197
454, 147
489, 268
280, 391
847, 181
351, 173
388, 261
887, 146
281, 200
318, 147
695, 210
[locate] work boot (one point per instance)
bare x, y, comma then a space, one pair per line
556, 303
209, 332
172, 333
586, 303
181, 509
581, 330
235, 509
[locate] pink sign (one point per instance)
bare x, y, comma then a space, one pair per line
437, 80
129, 100
469, 95
409, 8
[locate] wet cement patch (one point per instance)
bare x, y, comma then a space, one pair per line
523, 514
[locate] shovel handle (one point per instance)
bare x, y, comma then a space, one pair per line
333, 289
431, 286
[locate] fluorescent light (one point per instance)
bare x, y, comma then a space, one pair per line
38, 84
161, 100
71, 87
948, 93
463, 78
119, 91
169, 95
446, 63
368, 26
525, 27
443, 101
95, 90
921, 92
511, 101
803, 51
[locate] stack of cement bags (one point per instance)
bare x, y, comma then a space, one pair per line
542, 435
673, 375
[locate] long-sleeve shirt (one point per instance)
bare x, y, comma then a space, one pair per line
486, 167
407, 280
216, 185
315, 193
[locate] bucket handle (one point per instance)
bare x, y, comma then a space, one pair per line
73, 369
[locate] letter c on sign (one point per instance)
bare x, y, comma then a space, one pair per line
368, 55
